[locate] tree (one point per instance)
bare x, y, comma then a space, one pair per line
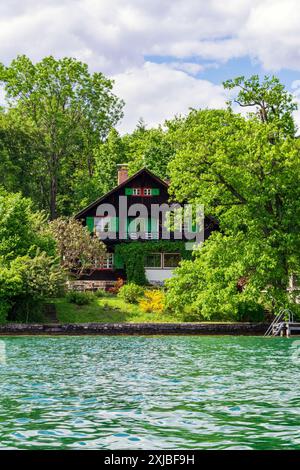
29, 269
251, 184
150, 148
79, 252
272, 102
69, 109
107, 156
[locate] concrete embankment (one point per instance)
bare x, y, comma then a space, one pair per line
13, 329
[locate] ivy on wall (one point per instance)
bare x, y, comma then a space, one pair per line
132, 255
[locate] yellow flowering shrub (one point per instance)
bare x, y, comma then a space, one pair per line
153, 301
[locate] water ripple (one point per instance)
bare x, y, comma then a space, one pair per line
149, 392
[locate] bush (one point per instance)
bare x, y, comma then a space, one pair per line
100, 293
79, 298
131, 293
153, 301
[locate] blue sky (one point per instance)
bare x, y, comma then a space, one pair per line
219, 72
165, 55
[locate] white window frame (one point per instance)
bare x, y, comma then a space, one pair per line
155, 267
147, 191
162, 260
107, 261
136, 191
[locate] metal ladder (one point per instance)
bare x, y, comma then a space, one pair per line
279, 322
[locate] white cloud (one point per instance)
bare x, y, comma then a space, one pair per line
157, 92
114, 36
117, 34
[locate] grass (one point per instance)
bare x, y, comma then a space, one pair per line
109, 309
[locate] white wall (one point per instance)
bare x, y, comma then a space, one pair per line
158, 275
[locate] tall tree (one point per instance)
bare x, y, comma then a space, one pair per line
151, 148
273, 103
70, 110
251, 184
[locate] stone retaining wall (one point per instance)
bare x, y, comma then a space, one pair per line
13, 329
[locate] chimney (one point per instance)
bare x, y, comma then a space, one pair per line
122, 172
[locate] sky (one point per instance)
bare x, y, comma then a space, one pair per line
165, 56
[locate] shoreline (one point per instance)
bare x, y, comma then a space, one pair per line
107, 329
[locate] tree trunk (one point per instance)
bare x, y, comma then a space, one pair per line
53, 194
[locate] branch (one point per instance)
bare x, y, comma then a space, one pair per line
231, 189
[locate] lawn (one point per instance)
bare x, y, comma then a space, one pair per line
108, 309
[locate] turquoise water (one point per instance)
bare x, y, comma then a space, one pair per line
149, 393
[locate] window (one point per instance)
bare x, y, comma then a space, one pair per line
153, 260
132, 191
147, 191
136, 224
107, 261
162, 260
103, 224
171, 260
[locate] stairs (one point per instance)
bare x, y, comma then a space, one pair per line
282, 324
50, 313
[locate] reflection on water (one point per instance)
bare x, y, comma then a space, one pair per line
148, 393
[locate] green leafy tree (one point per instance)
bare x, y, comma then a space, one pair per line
150, 148
19, 153
272, 102
69, 109
107, 156
251, 184
29, 269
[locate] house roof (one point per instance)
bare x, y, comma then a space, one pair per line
120, 186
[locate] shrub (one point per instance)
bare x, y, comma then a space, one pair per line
153, 301
79, 298
100, 293
131, 293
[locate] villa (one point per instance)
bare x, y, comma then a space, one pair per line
143, 190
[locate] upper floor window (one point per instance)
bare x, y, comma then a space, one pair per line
142, 191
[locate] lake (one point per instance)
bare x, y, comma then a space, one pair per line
135, 392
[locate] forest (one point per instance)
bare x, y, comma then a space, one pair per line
59, 150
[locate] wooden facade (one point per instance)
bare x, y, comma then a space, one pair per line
141, 188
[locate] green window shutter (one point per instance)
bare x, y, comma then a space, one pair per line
128, 191
90, 224
118, 261
128, 221
115, 224
155, 192
153, 225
